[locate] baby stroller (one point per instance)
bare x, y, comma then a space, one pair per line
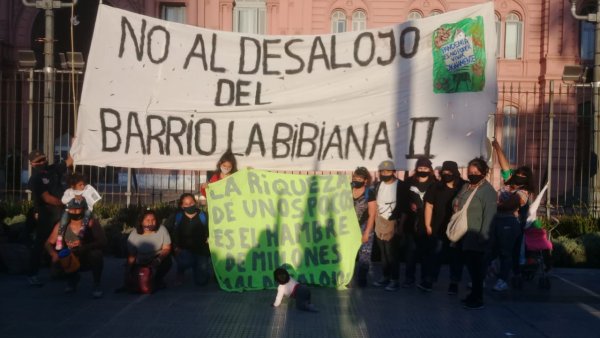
537, 259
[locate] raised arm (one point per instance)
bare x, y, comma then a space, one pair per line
501, 156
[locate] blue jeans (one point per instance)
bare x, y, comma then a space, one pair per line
506, 244
198, 263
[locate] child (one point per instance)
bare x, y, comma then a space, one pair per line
291, 288
78, 193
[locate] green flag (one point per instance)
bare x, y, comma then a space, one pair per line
261, 220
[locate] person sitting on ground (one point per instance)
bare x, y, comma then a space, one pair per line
291, 288
189, 232
78, 191
84, 239
150, 246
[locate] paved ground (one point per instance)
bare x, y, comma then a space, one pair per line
570, 309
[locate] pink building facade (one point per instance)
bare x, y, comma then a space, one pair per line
536, 39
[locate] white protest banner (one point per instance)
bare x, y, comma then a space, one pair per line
159, 94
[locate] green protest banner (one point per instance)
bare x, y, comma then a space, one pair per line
459, 57
260, 220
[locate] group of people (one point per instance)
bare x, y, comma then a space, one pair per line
397, 217
410, 218
73, 239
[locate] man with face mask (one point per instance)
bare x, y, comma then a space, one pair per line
47, 189
392, 206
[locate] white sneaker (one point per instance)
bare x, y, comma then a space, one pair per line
34, 281
500, 286
97, 293
392, 286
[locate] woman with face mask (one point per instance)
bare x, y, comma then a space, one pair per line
415, 239
476, 242
365, 206
83, 239
226, 166
149, 246
514, 198
437, 213
188, 228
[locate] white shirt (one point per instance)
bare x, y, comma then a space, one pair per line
386, 198
90, 195
285, 290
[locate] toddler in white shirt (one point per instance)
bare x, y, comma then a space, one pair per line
79, 193
291, 288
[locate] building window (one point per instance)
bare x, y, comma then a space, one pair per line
359, 21
509, 133
498, 35
435, 12
338, 22
249, 16
174, 12
586, 40
513, 37
415, 15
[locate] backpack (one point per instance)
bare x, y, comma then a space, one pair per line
179, 217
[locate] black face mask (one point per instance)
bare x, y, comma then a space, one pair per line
447, 178
76, 217
357, 184
150, 227
518, 180
474, 179
386, 178
422, 173
192, 209
40, 167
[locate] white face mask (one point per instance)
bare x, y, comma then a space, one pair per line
225, 171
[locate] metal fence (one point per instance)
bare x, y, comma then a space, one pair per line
523, 124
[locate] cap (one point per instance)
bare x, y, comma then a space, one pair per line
35, 155
423, 162
386, 165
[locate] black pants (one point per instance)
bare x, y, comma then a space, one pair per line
302, 296
44, 225
411, 254
452, 252
93, 261
390, 257
506, 244
431, 248
475, 262
162, 269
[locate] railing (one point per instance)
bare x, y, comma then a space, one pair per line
521, 124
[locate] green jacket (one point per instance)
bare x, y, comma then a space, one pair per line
479, 216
